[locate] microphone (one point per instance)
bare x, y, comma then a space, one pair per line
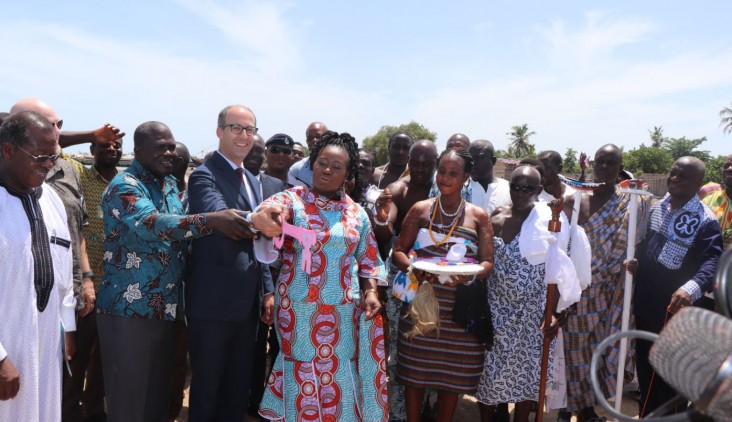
693, 354
722, 288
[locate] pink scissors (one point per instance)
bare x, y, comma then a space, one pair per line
306, 237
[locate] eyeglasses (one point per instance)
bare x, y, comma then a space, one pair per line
277, 149
238, 129
41, 158
58, 123
523, 188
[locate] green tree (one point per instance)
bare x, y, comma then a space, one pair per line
725, 116
648, 160
714, 169
520, 147
379, 142
571, 162
656, 136
682, 147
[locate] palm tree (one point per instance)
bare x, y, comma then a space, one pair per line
656, 136
520, 147
726, 119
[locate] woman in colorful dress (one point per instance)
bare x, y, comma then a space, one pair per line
331, 365
517, 297
718, 197
433, 351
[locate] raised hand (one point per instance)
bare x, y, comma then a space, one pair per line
107, 135
383, 203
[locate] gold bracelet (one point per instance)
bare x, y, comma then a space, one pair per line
367, 291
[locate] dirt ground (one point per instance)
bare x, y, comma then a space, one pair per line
467, 410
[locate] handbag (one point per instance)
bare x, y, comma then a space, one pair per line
473, 312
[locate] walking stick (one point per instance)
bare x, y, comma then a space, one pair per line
635, 189
551, 299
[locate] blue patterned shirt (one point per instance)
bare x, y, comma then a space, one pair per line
144, 247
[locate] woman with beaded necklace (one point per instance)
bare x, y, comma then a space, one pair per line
433, 351
331, 364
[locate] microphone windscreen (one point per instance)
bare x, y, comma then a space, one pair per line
689, 352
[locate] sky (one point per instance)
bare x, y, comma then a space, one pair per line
580, 73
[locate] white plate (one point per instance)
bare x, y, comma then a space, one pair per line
433, 267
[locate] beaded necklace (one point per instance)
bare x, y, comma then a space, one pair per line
459, 211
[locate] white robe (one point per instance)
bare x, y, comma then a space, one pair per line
29, 338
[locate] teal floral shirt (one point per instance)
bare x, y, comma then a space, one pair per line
146, 233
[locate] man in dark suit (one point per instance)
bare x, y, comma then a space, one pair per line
225, 281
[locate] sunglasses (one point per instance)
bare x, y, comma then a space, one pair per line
276, 149
523, 188
41, 158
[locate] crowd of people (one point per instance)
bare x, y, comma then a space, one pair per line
116, 283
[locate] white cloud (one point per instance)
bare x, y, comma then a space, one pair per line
606, 98
582, 90
591, 48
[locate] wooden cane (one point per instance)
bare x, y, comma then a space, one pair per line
551, 299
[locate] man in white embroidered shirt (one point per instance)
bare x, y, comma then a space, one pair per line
36, 295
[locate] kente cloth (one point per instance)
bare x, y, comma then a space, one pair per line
31, 339
715, 197
598, 314
517, 297
332, 363
93, 184
451, 359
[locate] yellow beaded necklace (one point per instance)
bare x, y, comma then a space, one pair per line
435, 206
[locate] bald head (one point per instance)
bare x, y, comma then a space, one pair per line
421, 162
458, 140
149, 131
423, 146
314, 132
611, 149
696, 167
529, 172
608, 164
552, 157
40, 107
685, 179
481, 146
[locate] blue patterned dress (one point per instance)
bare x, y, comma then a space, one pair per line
331, 365
517, 296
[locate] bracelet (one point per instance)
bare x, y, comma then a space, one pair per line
88, 274
381, 223
367, 291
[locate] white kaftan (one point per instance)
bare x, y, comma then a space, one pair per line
29, 338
